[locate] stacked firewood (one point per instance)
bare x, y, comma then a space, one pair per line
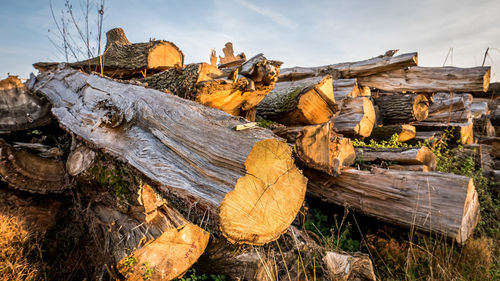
206, 177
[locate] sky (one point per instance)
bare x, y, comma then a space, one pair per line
297, 32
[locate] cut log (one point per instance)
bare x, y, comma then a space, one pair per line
304, 102
483, 127
407, 155
356, 118
430, 79
240, 96
25, 171
19, 109
124, 60
343, 88
295, 256
405, 132
344, 266
479, 108
182, 81
495, 144
444, 204
371, 66
461, 132
239, 179
319, 147
450, 107
403, 108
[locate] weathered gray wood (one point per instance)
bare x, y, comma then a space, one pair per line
445, 204
371, 66
356, 117
430, 79
191, 151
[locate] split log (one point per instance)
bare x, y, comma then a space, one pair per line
25, 171
230, 60
239, 179
444, 204
461, 132
402, 108
406, 155
304, 102
430, 79
125, 60
19, 109
319, 147
405, 132
356, 118
371, 66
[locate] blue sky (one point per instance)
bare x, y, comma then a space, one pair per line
297, 32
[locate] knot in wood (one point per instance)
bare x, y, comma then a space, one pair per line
112, 116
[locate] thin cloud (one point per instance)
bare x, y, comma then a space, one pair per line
276, 17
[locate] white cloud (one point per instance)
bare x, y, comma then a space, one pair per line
274, 16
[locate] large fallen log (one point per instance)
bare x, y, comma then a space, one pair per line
407, 155
430, 79
356, 117
124, 60
19, 109
303, 102
444, 204
244, 181
371, 66
319, 147
403, 108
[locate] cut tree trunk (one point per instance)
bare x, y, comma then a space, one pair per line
319, 147
383, 133
125, 60
462, 132
26, 171
409, 156
430, 79
483, 127
371, 66
450, 107
402, 108
356, 117
19, 109
244, 181
305, 102
415, 168
445, 204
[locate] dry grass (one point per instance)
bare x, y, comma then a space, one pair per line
15, 248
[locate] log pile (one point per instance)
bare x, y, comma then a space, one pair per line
171, 158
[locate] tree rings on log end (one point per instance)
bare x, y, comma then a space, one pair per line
168, 256
266, 200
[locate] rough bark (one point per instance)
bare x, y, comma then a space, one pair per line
19, 108
371, 66
450, 107
483, 127
356, 117
124, 60
344, 88
403, 108
462, 132
444, 204
304, 102
193, 153
408, 156
29, 172
430, 79
415, 168
319, 147
405, 132
495, 144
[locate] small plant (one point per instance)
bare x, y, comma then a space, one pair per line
148, 272
393, 142
130, 261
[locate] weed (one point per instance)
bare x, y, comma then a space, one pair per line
130, 261
191, 275
148, 271
393, 142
